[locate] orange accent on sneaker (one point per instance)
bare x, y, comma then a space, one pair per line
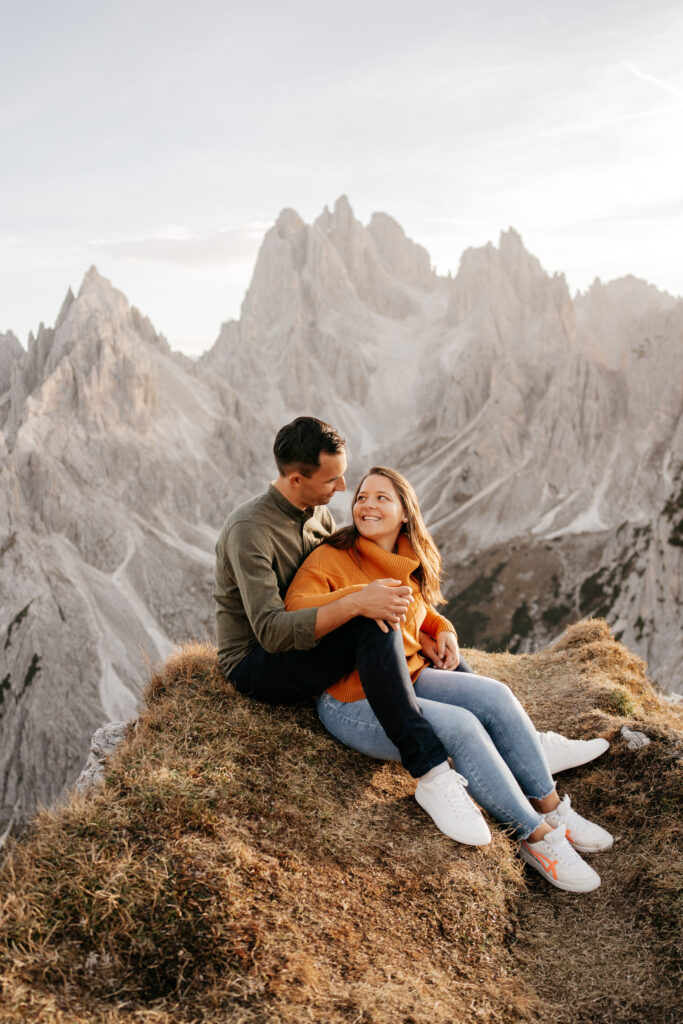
546, 863
569, 835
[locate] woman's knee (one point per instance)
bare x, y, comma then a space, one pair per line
456, 727
498, 697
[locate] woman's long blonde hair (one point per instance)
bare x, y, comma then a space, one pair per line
428, 573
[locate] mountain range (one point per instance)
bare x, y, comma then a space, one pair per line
543, 433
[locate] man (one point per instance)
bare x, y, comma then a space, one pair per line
282, 657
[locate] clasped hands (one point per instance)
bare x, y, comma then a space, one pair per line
443, 652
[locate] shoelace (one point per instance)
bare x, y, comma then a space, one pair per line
568, 815
572, 820
456, 793
563, 850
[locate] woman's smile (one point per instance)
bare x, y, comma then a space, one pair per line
378, 512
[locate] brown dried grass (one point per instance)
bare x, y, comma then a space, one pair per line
240, 866
612, 957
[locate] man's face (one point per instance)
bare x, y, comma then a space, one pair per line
326, 481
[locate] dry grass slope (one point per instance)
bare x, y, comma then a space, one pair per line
240, 866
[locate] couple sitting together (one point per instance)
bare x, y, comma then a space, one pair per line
347, 617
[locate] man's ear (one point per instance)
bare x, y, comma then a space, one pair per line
294, 479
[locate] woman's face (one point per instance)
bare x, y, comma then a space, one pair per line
378, 512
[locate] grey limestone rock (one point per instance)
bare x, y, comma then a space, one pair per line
104, 742
635, 740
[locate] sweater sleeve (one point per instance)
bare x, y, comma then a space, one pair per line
313, 586
434, 623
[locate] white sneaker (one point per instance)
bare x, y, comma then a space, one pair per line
555, 858
451, 809
585, 836
562, 753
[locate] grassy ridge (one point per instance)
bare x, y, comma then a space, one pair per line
241, 866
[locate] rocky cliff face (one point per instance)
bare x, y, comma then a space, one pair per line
118, 463
572, 443
543, 433
328, 325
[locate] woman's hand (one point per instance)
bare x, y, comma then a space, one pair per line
448, 650
443, 652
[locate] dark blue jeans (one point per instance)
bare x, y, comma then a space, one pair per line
288, 677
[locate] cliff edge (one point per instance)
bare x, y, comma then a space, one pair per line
238, 865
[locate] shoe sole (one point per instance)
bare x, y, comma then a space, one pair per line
470, 841
566, 886
590, 849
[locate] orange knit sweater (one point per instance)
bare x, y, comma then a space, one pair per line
328, 574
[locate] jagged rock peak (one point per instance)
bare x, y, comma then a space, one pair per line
289, 222
342, 215
403, 257
629, 316
511, 259
10, 344
628, 289
339, 221
95, 286
504, 278
283, 244
11, 355
384, 224
66, 306
513, 253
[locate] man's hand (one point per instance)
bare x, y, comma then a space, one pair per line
443, 652
385, 601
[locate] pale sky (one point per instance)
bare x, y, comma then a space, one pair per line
158, 139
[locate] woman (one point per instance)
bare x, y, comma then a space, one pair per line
493, 745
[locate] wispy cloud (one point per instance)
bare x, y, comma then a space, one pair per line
602, 122
644, 77
176, 244
664, 212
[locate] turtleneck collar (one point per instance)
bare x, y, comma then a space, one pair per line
378, 563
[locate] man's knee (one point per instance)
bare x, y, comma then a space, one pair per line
367, 631
360, 626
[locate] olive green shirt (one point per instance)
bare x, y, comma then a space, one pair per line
261, 546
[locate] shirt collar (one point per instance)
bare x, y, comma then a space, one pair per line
299, 515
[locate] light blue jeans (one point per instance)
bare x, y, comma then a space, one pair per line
485, 730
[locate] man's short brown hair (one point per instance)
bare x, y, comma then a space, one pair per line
299, 445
